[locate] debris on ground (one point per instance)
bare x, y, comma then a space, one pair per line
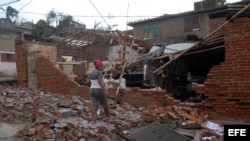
49, 116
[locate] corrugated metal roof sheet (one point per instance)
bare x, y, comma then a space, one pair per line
176, 47
157, 132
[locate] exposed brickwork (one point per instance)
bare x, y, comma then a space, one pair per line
227, 85
21, 63
51, 78
149, 97
54, 80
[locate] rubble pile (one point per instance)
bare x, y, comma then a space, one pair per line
54, 117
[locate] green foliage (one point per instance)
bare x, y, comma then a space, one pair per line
164, 103
65, 20
11, 13
41, 29
51, 17
45, 28
167, 121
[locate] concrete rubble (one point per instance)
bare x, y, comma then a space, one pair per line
48, 116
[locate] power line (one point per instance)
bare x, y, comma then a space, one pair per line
99, 13
25, 5
94, 16
13, 1
127, 16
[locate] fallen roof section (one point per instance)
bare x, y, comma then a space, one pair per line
157, 132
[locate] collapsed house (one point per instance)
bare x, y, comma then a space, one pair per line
215, 68
189, 73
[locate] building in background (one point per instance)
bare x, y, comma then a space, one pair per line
178, 28
8, 33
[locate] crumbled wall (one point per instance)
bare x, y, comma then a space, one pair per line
50, 78
21, 63
54, 80
43, 71
227, 85
150, 97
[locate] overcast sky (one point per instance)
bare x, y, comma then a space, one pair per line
114, 12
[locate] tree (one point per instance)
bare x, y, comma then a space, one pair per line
65, 20
51, 17
42, 29
11, 13
65, 25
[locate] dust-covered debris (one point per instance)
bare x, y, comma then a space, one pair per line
50, 116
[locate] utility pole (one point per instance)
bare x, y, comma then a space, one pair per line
10, 2
127, 17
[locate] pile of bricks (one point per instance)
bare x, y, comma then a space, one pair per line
54, 117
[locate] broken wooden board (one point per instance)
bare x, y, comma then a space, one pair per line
190, 117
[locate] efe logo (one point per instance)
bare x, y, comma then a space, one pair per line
236, 132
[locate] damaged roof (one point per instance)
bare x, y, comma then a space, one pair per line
157, 132
91, 37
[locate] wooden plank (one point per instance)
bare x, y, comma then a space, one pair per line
190, 117
172, 115
69, 63
123, 69
121, 60
188, 109
112, 83
72, 75
205, 37
123, 51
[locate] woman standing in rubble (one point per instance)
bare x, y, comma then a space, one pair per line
98, 90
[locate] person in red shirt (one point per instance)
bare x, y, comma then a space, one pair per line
98, 90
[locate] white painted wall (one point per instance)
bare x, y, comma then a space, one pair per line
7, 68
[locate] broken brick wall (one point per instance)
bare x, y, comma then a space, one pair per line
52, 79
26, 52
227, 85
21, 63
47, 75
150, 97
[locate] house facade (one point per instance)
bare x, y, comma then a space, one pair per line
7, 51
176, 28
8, 34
